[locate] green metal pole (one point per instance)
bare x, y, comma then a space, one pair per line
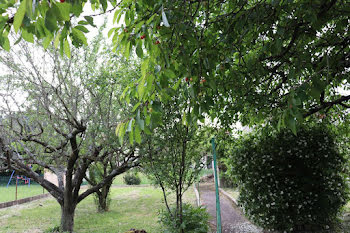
218, 211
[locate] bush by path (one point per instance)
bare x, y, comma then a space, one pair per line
291, 182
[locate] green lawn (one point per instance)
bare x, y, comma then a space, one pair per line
131, 207
23, 191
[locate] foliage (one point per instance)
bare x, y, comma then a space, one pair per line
290, 182
252, 61
132, 178
240, 60
195, 220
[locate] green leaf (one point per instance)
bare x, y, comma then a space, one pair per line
127, 50
17, 22
141, 87
170, 74
144, 67
121, 132
135, 107
6, 44
57, 40
279, 124
315, 92
184, 119
117, 129
18, 40
46, 41
141, 123
82, 28
137, 134
291, 123
83, 22
177, 84
51, 20
27, 36
139, 51
66, 48
116, 14
78, 37
90, 20
77, 8
131, 137
63, 11
110, 32
104, 5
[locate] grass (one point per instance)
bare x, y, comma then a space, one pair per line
23, 191
205, 172
232, 192
131, 207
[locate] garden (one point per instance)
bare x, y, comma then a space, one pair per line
120, 111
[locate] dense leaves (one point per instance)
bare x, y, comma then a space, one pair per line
252, 61
290, 182
195, 220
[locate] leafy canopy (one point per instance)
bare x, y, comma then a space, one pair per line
252, 61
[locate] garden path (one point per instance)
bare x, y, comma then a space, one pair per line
231, 217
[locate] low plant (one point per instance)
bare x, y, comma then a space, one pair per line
132, 178
194, 220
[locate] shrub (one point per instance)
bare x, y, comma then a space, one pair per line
289, 182
195, 220
132, 179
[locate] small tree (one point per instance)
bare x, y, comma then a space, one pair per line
291, 182
173, 158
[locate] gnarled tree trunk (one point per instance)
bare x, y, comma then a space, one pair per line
67, 216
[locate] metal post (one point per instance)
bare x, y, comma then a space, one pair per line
218, 211
16, 186
10, 179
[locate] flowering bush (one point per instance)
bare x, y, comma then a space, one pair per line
289, 182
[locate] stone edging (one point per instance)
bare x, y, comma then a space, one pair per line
22, 201
197, 195
229, 196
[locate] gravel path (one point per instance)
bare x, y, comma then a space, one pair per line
231, 218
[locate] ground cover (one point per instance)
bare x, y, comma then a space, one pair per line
131, 207
23, 191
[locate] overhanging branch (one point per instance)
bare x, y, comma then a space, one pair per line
325, 105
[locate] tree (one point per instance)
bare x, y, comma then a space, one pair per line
173, 158
252, 61
66, 124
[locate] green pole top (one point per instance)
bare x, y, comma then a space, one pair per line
218, 211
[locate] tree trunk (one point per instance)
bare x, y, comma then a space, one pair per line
67, 216
102, 197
